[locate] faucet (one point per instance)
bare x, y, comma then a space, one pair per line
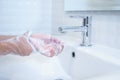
85, 29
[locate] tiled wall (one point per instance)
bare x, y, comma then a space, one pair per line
105, 25
18, 16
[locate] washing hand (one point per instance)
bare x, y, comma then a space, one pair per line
46, 45
25, 44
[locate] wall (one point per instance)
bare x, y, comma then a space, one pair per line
18, 16
105, 25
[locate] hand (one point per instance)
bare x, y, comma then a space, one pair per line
46, 45
22, 48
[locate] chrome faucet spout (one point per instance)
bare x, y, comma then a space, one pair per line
85, 29
65, 29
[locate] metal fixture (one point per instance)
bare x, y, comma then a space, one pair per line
85, 29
